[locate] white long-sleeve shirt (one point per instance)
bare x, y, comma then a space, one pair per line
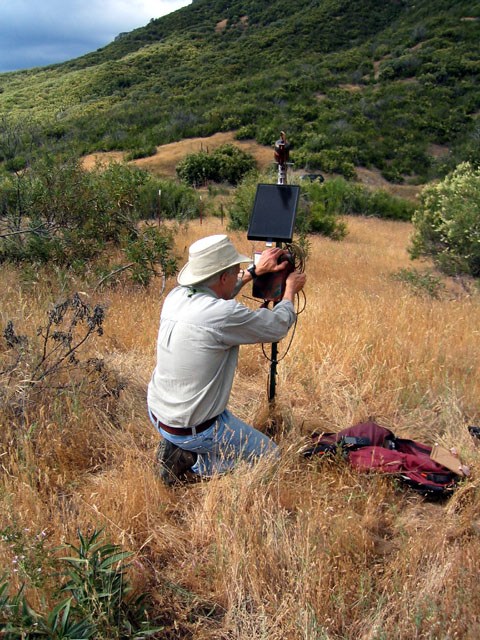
197, 351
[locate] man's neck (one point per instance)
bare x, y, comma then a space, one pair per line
217, 289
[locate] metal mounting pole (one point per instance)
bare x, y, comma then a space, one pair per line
281, 157
273, 362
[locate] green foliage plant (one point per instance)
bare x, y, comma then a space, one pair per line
240, 209
344, 197
227, 163
149, 254
424, 283
318, 220
96, 580
58, 212
141, 152
163, 199
319, 214
447, 223
328, 160
100, 602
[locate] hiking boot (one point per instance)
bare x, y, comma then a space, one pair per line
173, 462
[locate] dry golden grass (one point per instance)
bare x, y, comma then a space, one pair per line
302, 550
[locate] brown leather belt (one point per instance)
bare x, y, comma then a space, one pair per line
186, 431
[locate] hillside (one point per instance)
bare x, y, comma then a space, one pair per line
166, 157
353, 82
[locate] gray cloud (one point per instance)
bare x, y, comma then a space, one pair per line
34, 34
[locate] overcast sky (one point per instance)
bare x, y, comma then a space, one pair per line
34, 33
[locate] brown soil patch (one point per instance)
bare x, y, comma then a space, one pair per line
373, 179
438, 150
353, 88
102, 158
221, 26
163, 163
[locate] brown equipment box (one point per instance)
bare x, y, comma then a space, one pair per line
447, 459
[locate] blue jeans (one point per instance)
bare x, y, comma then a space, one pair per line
223, 444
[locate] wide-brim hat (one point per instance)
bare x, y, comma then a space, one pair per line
209, 256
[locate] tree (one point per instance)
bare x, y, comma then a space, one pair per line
447, 223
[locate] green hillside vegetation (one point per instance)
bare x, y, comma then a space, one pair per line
354, 82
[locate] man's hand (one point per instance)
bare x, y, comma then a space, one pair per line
268, 261
295, 283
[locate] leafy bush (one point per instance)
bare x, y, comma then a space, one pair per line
169, 199
61, 213
447, 223
228, 163
341, 197
380, 204
246, 132
328, 160
141, 152
317, 219
241, 207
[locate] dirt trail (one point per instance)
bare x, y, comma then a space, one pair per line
373, 179
163, 163
167, 157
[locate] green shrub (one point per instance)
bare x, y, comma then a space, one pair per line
246, 132
341, 197
328, 160
169, 199
447, 223
61, 213
240, 209
228, 163
421, 283
316, 219
16, 164
141, 152
382, 204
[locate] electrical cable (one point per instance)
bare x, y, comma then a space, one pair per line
299, 256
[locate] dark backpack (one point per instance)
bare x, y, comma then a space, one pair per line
369, 447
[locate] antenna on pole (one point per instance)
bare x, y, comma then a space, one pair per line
273, 220
281, 155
